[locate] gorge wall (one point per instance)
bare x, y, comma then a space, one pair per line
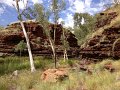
12, 35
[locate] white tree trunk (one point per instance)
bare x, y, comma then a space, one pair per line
29, 48
53, 50
65, 55
64, 44
26, 36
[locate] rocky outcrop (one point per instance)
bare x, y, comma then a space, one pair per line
105, 19
100, 46
12, 35
54, 75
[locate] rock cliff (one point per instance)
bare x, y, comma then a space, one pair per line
102, 43
12, 35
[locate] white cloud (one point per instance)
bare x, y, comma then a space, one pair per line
69, 21
79, 6
83, 6
83, 21
22, 6
37, 1
11, 3
8, 2
76, 6
60, 20
88, 3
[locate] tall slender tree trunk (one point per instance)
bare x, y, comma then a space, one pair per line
55, 58
54, 52
65, 55
26, 37
65, 50
29, 48
54, 2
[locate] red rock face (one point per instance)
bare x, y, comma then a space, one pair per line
38, 40
100, 46
105, 19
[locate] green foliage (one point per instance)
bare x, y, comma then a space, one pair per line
70, 63
82, 30
42, 15
38, 12
10, 64
88, 20
29, 13
57, 7
20, 47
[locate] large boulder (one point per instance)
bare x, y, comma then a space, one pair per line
54, 75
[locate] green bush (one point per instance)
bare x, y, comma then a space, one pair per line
70, 63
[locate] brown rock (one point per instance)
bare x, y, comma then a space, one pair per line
109, 67
105, 18
54, 75
13, 34
101, 44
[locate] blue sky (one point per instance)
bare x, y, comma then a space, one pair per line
8, 13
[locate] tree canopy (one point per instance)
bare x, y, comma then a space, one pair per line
83, 25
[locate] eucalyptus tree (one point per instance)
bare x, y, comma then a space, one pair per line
17, 7
84, 24
64, 42
57, 6
43, 14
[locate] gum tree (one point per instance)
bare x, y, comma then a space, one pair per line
42, 15
56, 7
64, 42
17, 7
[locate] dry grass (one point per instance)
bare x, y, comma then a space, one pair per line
101, 79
